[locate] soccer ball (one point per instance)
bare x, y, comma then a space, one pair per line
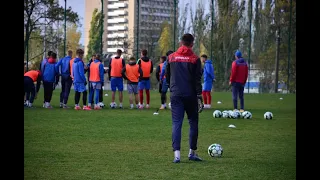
246, 115
215, 150
225, 114
230, 112
217, 114
113, 105
268, 115
236, 115
101, 104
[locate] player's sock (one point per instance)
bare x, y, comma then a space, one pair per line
177, 154
148, 96
141, 96
137, 105
191, 152
209, 97
204, 94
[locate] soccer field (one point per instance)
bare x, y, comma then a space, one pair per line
134, 144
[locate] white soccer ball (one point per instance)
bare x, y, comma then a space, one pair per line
246, 115
268, 115
101, 104
230, 113
215, 150
236, 114
217, 114
113, 105
225, 114
169, 105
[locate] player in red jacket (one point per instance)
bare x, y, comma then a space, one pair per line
238, 79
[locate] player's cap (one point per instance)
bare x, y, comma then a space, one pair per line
238, 54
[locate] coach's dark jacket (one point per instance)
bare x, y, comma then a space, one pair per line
183, 73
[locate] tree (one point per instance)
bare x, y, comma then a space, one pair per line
39, 13
165, 38
227, 35
273, 17
199, 24
73, 37
94, 34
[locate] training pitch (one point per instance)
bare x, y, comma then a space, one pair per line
135, 144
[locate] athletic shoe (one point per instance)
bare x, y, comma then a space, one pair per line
194, 157
176, 160
241, 110
147, 106
86, 108
77, 107
97, 107
162, 107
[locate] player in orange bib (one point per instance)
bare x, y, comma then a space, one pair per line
144, 83
29, 78
96, 79
132, 72
115, 66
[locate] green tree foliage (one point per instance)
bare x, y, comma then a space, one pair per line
94, 34
165, 39
73, 38
275, 17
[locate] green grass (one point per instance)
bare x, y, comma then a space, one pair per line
134, 144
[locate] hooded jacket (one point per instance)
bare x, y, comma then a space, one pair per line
78, 71
208, 71
183, 73
50, 71
64, 66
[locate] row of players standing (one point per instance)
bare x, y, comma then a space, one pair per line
137, 74
117, 71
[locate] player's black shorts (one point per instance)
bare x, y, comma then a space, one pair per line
160, 87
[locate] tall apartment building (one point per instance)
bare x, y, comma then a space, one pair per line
120, 23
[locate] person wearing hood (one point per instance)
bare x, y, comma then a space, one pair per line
238, 79
183, 74
164, 87
132, 72
79, 81
43, 62
66, 80
50, 79
96, 79
146, 65
115, 66
208, 77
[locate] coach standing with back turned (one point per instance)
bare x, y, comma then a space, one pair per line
183, 74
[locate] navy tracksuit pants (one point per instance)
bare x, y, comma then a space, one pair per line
237, 90
66, 83
29, 89
180, 105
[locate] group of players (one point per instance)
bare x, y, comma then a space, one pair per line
137, 73
181, 71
